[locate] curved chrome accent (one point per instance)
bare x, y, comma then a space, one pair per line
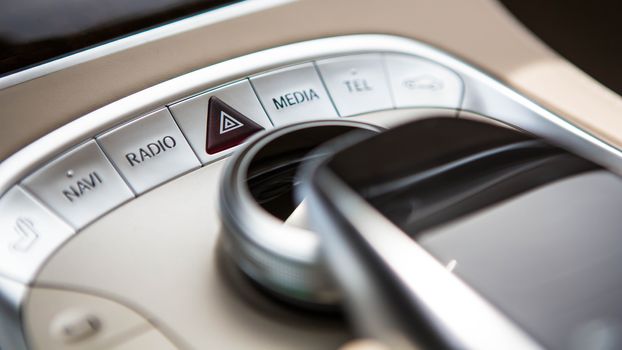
283, 258
214, 16
421, 287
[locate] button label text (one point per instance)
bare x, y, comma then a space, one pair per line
82, 186
151, 150
293, 98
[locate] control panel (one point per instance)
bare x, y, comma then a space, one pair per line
119, 164
63, 183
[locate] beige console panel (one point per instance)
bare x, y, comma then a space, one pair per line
61, 319
479, 31
159, 255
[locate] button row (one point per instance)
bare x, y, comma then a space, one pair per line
101, 174
355, 84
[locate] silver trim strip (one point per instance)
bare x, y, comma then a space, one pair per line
283, 258
201, 20
12, 295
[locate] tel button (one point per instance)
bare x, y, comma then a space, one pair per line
226, 127
356, 83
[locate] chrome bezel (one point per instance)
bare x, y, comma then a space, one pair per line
283, 258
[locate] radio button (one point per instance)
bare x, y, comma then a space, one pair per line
80, 185
417, 82
357, 83
149, 151
293, 94
29, 233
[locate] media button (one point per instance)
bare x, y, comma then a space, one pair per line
293, 94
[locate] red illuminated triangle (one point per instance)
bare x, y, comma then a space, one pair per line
228, 123
226, 127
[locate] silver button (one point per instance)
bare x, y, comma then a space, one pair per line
357, 83
417, 82
191, 115
29, 233
293, 94
80, 185
149, 150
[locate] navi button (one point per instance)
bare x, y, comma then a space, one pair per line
80, 185
149, 151
293, 94
29, 233
356, 83
192, 117
417, 82
226, 127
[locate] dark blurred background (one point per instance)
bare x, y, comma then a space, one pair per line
33, 31
587, 33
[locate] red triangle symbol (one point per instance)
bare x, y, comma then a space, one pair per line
226, 127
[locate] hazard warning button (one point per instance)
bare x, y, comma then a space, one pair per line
226, 127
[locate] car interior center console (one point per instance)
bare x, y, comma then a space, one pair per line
84, 211
110, 232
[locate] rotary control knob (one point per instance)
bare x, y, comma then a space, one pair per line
264, 225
